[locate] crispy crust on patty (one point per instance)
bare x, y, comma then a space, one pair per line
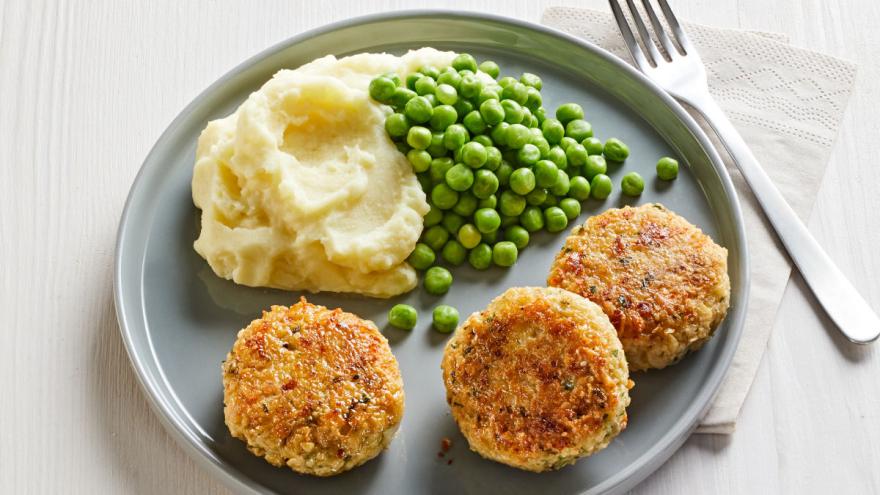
315, 389
661, 281
537, 380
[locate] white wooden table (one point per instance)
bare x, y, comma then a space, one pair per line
87, 87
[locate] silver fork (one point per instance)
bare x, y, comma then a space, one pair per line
684, 77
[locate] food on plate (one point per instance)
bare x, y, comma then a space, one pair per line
632, 184
403, 316
301, 189
438, 280
615, 150
662, 282
314, 389
445, 318
537, 380
600, 186
667, 168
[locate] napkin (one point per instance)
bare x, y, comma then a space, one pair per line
787, 103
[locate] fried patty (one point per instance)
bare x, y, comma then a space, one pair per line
537, 380
314, 389
662, 282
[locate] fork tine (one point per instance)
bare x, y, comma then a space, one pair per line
677, 31
631, 44
643, 31
659, 30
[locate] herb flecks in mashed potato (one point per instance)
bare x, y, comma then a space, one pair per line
301, 189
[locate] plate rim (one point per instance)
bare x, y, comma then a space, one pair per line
627, 478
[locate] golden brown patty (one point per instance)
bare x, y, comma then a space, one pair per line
537, 380
661, 281
314, 389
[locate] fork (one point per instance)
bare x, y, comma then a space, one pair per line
683, 75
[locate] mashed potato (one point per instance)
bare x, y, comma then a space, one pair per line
301, 189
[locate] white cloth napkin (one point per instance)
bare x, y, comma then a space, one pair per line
787, 103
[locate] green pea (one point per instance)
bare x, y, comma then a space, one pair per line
445, 318
571, 207
455, 136
436, 149
443, 117
474, 122
490, 201
568, 112
403, 316
454, 253
528, 155
437, 280
513, 111
579, 129
430, 71
401, 96
435, 237
594, 166
511, 204
518, 236
491, 68
553, 131
492, 112
504, 253
576, 155
432, 100
487, 220
452, 222
382, 89
632, 184
532, 80
393, 76
466, 205
467, 72
411, 80
522, 181
566, 143
491, 238
418, 137
443, 196
485, 184
493, 158
463, 107
449, 76
550, 201
482, 139
555, 219
527, 117
517, 136
402, 147
546, 173
487, 94
397, 125
503, 173
532, 219
537, 197
557, 155
469, 236
464, 61
533, 100
562, 185
474, 154
499, 133
470, 86
419, 109
579, 188
542, 144
480, 257
422, 257
508, 221
433, 217
419, 159
426, 86
600, 186
506, 81
593, 145
446, 94
516, 92
615, 150
541, 114
439, 167
667, 168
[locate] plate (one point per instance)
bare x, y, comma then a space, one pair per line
178, 320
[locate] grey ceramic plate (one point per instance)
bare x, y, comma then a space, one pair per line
178, 320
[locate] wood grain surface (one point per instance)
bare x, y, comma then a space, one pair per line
87, 87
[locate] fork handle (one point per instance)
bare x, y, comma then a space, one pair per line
849, 311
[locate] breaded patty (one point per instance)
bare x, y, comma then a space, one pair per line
537, 380
314, 389
661, 281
